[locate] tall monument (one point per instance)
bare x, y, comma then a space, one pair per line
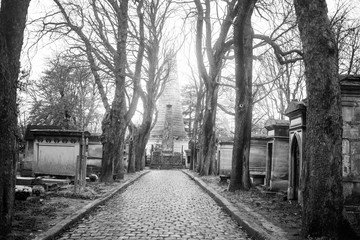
168, 139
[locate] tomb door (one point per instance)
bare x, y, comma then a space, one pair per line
295, 158
269, 164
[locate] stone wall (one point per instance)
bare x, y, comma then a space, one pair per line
350, 101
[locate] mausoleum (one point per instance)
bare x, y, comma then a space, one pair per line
350, 102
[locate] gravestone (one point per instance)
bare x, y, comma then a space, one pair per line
52, 151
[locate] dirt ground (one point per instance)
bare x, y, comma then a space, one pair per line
38, 214
273, 206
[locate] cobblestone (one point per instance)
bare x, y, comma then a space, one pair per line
160, 205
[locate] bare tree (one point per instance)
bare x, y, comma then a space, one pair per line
244, 94
243, 41
278, 57
349, 61
159, 57
322, 175
99, 29
347, 36
215, 50
139, 37
12, 23
65, 94
284, 83
193, 94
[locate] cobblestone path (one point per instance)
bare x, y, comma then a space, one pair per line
160, 205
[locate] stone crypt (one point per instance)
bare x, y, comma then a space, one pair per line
350, 102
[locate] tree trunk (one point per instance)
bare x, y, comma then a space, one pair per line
197, 123
137, 163
322, 186
208, 139
115, 123
211, 75
113, 139
12, 23
199, 160
117, 117
137, 140
192, 153
143, 160
243, 38
142, 134
140, 140
131, 156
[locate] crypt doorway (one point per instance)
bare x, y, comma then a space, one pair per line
295, 168
269, 164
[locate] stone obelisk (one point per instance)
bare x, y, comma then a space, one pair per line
168, 139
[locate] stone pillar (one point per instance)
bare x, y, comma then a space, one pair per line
277, 162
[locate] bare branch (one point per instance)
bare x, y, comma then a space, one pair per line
280, 55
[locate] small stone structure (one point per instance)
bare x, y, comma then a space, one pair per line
277, 164
296, 112
165, 157
224, 156
256, 160
51, 150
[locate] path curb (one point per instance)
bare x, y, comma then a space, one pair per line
253, 223
68, 221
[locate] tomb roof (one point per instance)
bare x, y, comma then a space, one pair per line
46, 130
276, 122
294, 106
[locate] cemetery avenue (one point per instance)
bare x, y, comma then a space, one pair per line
161, 119
160, 205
